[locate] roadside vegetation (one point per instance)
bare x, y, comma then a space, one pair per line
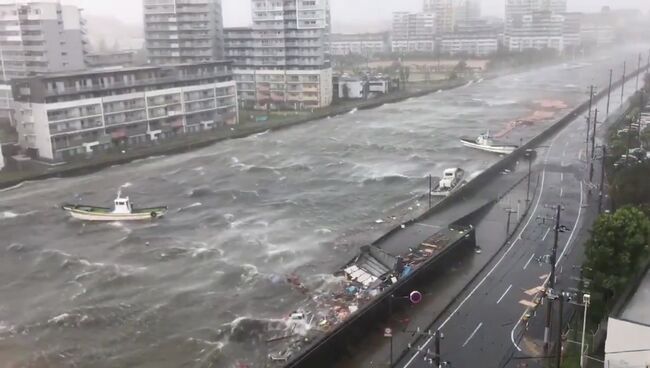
618, 251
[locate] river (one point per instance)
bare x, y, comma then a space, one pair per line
200, 287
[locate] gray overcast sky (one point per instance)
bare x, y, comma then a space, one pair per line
237, 12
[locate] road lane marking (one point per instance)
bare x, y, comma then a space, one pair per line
504, 294
473, 333
561, 176
546, 234
427, 225
523, 229
529, 259
561, 192
568, 244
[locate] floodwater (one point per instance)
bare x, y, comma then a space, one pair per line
203, 286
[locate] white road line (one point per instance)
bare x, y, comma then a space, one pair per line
427, 225
529, 259
504, 293
473, 333
567, 246
523, 229
561, 192
546, 234
561, 176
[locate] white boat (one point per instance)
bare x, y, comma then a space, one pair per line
485, 143
121, 211
452, 179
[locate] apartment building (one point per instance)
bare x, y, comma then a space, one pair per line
60, 116
366, 44
449, 12
183, 31
538, 30
39, 37
6, 105
283, 61
115, 58
413, 32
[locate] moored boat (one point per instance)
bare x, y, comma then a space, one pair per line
452, 179
485, 143
122, 211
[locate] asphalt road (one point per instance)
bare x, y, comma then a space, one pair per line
485, 326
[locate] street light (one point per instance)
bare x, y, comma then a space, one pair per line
586, 298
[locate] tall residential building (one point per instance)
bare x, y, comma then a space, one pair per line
39, 37
67, 115
413, 32
283, 61
365, 44
537, 24
450, 12
537, 30
183, 31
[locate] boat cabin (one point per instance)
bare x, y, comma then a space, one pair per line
122, 205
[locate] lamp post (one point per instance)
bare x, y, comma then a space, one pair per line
586, 298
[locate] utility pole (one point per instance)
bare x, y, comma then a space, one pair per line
430, 189
436, 347
509, 211
638, 71
593, 148
609, 91
623, 86
602, 180
558, 361
551, 281
629, 140
529, 155
591, 99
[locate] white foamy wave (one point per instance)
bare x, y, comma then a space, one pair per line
353, 111
126, 185
261, 134
12, 188
9, 214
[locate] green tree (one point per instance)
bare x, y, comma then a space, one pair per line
617, 248
629, 186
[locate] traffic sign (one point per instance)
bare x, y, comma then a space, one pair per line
388, 332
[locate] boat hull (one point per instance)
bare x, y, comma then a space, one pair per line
87, 213
502, 149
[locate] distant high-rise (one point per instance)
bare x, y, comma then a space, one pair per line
450, 12
183, 31
40, 37
283, 61
536, 24
413, 32
293, 34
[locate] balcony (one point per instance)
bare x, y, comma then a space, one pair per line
137, 83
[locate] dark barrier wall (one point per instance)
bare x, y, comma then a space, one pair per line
325, 351
330, 348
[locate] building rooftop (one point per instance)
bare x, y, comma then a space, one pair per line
637, 308
109, 70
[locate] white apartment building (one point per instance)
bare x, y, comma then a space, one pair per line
39, 37
469, 45
60, 116
366, 44
283, 62
413, 32
183, 31
6, 104
284, 88
449, 12
538, 30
